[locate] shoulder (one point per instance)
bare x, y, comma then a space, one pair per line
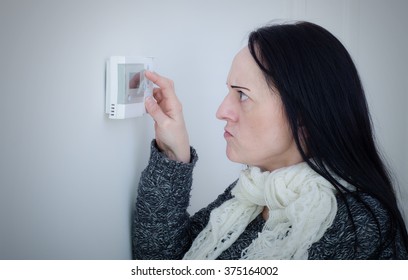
362, 209
358, 230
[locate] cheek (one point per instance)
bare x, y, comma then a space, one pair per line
271, 132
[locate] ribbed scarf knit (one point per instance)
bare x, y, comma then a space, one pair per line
302, 206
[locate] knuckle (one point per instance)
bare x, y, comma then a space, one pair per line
153, 109
179, 107
169, 83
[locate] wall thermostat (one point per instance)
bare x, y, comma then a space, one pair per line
126, 86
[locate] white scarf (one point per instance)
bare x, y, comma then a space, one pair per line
302, 206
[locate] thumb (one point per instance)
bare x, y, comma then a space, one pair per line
154, 110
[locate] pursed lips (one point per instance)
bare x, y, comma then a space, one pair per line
227, 133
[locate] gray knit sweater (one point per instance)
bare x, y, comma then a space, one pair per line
162, 228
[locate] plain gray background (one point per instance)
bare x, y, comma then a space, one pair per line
68, 174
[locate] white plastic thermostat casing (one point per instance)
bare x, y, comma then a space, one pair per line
126, 86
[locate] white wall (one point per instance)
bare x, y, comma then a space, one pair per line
383, 60
68, 175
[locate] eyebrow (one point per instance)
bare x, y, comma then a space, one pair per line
239, 87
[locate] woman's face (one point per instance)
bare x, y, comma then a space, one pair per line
257, 131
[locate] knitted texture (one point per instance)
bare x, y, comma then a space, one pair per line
162, 228
301, 204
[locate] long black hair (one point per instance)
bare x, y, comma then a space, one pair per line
327, 111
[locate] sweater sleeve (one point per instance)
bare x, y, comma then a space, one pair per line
161, 223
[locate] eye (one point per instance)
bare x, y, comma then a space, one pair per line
242, 96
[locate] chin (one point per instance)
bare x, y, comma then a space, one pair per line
230, 156
235, 158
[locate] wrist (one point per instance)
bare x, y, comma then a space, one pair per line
181, 155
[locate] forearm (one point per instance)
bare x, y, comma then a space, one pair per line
161, 222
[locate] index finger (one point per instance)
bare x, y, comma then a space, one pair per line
162, 82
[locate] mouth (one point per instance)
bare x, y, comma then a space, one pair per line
227, 134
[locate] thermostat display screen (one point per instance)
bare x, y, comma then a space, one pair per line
131, 80
134, 80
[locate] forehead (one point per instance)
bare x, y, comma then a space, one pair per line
244, 70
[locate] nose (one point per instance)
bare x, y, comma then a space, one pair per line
227, 110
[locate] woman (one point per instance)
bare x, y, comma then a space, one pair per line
315, 187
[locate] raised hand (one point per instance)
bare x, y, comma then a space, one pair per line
167, 112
